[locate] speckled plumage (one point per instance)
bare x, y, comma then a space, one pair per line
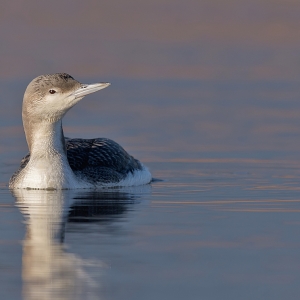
98, 160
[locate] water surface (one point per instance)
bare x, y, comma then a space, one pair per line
212, 229
205, 93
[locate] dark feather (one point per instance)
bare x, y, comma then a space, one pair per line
97, 160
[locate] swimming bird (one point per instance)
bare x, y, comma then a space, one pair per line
56, 162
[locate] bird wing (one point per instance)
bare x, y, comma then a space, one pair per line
100, 159
96, 160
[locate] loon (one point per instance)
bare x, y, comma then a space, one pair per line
55, 162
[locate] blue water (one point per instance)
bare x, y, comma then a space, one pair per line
206, 94
209, 230
221, 222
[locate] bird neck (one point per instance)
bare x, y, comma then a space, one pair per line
48, 167
45, 138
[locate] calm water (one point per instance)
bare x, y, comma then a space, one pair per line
222, 224
206, 93
215, 230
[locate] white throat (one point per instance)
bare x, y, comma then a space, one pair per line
48, 167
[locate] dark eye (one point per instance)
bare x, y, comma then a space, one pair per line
52, 91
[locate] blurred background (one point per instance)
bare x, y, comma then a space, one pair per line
205, 93
190, 79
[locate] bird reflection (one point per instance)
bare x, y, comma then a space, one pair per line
49, 271
95, 206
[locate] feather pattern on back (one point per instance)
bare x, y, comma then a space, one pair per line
98, 160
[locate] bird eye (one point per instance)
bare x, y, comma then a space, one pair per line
52, 91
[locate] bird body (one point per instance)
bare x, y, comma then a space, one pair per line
56, 162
